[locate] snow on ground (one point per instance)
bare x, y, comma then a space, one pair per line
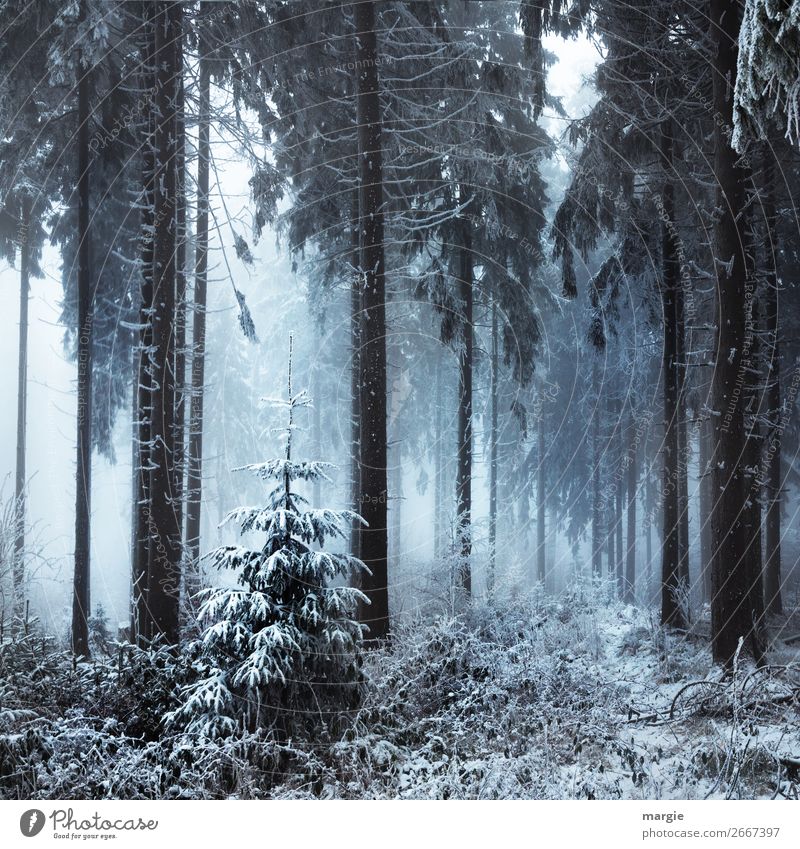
572, 699
531, 698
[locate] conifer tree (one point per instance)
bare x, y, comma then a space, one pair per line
286, 643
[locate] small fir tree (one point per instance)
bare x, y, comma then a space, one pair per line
284, 649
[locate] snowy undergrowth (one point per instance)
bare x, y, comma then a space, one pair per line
562, 699
568, 698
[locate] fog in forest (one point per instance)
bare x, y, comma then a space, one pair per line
243, 373
401, 399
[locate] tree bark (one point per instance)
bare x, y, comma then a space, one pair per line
609, 499
611, 539
18, 575
597, 547
648, 513
671, 611
619, 502
163, 579
179, 484
465, 364
373, 545
632, 473
197, 397
772, 566
754, 404
355, 377
752, 518
541, 567
706, 495
397, 505
438, 483
683, 445
143, 376
493, 454
731, 619
316, 414
81, 600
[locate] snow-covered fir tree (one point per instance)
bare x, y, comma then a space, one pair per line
283, 649
767, 84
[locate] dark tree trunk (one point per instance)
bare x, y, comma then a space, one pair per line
163, 579
493, 454
619, 502
648, 512
397, 504
611, 538
355, 377
197, 397
630, 554
597, 508
609, 498
682, 479
317, 432
706, 495
439, 484
465, 364
22, 413
772, 566
671, 610
754, 408
179, 484
731, 618
81, 601
541, 571
751, 518
143, 377
373, 546
135, 474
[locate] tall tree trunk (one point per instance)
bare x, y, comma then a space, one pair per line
135, 475
18, 575
611, 539
671, 610
648, 512
397, 505
438, 483
541, 569
81, 601
731, 618
373, 546
195, 458
465, 364
608, 501
179, 484
597, 508
619, 503
754, 407
163, 579
772, 566
630, 555
493, 454
706, 495
682, 478
317, 432
143, 377
355, 376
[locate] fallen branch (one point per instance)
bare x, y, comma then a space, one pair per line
792, 766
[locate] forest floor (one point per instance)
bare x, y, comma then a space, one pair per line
533, 698
574, 699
